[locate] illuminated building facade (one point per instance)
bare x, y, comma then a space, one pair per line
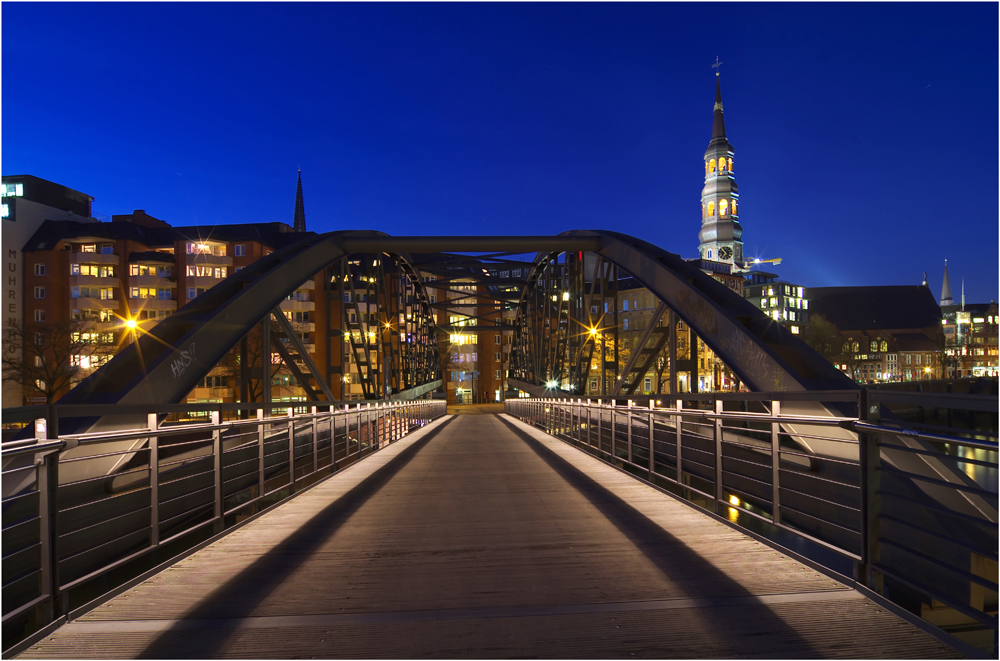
783, 301
970, 332
111, 279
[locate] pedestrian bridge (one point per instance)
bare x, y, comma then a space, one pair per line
471, 536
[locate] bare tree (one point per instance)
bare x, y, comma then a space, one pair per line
230, 365
824, 337
48, 358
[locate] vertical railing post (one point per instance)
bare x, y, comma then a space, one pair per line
652, 466
717, 427
154, 481
217, 460
315, 426
678, 406
870, 456
590, 416
291, 452
775, 464
260, 455
613, 431
47, 482
629, 431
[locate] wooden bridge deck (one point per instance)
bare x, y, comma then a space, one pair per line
481, 538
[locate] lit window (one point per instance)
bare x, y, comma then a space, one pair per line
795, 330
732, 211
723, 205
4, 211
722, 164
88, 248
711, 166
730, 168
711, 209
12, 190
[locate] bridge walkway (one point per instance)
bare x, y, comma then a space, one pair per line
479, 537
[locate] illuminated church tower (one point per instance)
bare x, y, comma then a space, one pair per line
721, 233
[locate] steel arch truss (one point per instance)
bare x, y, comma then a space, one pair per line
571, 326
380, 322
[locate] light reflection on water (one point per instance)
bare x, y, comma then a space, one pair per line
984, 476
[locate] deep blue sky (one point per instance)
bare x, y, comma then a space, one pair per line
865, 134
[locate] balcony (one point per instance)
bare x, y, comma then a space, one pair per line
308, 284
203, 281
87, 326
151, 281
92, 304
298, 306
304, 327
92, 281
152, 304
92, 258
206, 259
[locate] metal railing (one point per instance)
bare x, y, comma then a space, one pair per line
172, 487
913, 507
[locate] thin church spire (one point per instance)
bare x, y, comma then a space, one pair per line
299, 222
946, 298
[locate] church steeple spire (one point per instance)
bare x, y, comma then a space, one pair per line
718, 120
946, 298
721, 235
299, 222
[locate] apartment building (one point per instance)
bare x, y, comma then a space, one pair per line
111, 280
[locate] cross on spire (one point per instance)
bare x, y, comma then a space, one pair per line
717, 65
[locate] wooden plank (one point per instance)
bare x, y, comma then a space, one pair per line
481, 542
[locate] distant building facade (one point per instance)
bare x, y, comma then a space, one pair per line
784, 302
886, 333
970, 333
27, 202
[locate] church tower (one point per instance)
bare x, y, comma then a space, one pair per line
299, 220
721, 234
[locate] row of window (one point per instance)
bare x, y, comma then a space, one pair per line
144, 269
86, 361
103, 293
93, 338
723, 165
151, 292
773, 302
725, 207
206, 249
93, 270
217, 272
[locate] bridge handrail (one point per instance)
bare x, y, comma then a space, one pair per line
291, 451
681, 450
178, 429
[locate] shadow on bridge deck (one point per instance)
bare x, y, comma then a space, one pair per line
480, 537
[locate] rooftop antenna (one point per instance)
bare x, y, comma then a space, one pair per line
717, 65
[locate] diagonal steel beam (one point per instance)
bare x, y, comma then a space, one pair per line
294, 339
660, 309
